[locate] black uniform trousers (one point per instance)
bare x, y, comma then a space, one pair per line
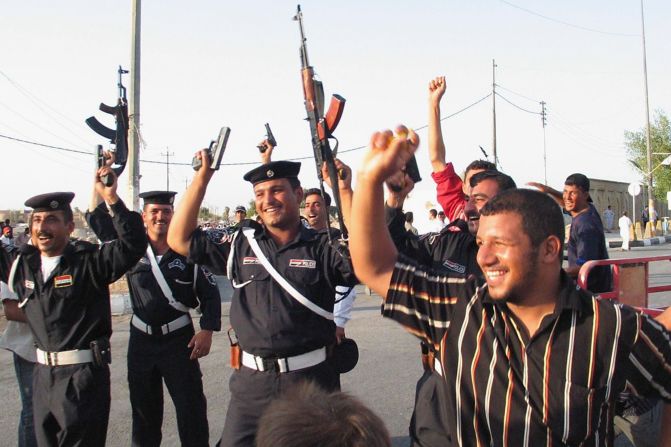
426, 425
71, 404
153, 359
252, 391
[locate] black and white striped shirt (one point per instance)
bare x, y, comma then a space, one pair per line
508, 389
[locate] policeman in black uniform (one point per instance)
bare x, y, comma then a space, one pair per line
449, 251
63, 289
163, 344
283, 319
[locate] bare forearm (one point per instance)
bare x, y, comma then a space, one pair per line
12, 311
185, 219
373, 252
436, 143
346, 202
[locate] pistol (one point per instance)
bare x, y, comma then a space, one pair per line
106, 180
215, 151
269, 137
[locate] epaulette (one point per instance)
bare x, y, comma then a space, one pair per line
80, 246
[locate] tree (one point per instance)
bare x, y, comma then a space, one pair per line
660, 142
204, 213
251, 208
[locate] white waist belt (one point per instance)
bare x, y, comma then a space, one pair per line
64, 357
294, 363
165, 329
437, 367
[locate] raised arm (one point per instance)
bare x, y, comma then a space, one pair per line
345, 186
436, 144
185, 219
372, 250
553, 193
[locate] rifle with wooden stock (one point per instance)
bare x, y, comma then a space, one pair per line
321, 126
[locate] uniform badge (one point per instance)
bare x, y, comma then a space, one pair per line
247, 260
177, 263
455, 267
29, 284
63, 281
270, 173
303, 263
209, 276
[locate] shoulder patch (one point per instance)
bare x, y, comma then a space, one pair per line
177, 263
63, 281
303, 263
454, 266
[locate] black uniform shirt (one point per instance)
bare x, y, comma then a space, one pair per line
267, 320
147, 298
151, 305
453, 252
72, 308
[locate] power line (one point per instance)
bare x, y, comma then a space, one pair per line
60, 148
516, 106
40, 104
552, 19
518, 94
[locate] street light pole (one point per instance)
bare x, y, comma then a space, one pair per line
651, 200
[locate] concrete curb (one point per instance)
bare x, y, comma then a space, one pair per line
641, 243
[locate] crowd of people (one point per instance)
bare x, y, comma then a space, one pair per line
513, 353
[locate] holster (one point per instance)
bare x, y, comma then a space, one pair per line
236, 351
102, 352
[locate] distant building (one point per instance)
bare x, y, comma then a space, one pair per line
615, 194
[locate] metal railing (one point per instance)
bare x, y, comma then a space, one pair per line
631, 281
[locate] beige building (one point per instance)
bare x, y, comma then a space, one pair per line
607, 192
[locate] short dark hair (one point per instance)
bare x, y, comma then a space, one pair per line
540, 215
433, 212
504, 181
485, 165
409, 217
308, 416
325, 195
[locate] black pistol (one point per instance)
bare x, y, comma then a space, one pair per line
106, 180
270, 137
214, 152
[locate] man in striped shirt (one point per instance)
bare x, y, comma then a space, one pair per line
528, 359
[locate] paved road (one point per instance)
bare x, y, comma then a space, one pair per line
384, 379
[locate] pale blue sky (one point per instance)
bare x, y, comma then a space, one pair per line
211, 63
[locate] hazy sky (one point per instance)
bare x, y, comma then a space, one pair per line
207, 64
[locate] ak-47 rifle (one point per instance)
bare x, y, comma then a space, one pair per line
119, 136
321, 127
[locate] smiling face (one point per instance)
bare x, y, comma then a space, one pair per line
480, 195
575, 199
507, 258
315, 211
50, 232
277, 203
157, 220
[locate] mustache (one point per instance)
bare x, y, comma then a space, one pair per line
45, 234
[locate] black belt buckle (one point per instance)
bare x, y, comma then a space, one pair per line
270, 364
156, 330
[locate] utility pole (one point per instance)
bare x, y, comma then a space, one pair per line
651, 199
545, 158
134, 109
496, 158
167, 156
